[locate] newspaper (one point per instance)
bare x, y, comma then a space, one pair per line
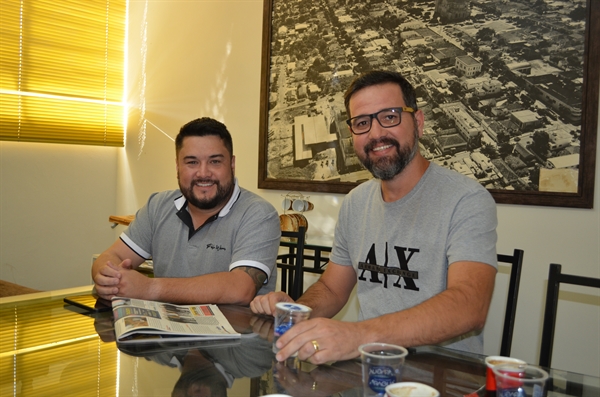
138, 320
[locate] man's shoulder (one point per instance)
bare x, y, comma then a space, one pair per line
165, 196
445, 176
251, 199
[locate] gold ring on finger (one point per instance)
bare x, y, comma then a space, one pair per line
315, 345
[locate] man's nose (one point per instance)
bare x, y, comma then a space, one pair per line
203, 170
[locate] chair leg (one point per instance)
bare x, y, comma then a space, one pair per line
549, 316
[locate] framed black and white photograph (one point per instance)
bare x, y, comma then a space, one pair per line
509, 90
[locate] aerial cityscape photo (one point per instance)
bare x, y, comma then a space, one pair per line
500, 84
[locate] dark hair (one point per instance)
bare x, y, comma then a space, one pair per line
377, 77
203, 127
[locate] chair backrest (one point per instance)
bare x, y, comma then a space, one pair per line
292, 262
516, 262
555, 278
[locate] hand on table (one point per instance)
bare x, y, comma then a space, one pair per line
320, 340
133, 284
107, 279
265, 304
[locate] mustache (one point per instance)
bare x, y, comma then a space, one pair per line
383, 140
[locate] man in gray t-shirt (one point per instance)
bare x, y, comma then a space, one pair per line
211, 241
418, 242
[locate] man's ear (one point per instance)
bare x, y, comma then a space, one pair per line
420, 120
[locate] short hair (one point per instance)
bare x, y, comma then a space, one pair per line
204, 126
377, 77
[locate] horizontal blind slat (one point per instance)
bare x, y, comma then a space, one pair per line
39, 57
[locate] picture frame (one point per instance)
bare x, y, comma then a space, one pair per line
295, 60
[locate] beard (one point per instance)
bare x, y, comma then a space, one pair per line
387, 168
223, 194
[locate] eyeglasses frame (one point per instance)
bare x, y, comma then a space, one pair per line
372, 116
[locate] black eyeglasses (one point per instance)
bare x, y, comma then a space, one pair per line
386, 117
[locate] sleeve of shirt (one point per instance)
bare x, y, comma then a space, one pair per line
257, 240
472, 236
138, 236
339, 252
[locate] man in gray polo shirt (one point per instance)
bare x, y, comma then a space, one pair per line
211, 241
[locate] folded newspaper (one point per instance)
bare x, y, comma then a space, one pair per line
138, 320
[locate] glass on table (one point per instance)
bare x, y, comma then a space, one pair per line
491, 362
381, 366
520, 380
286, 315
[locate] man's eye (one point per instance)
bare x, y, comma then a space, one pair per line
391, 117
361, 123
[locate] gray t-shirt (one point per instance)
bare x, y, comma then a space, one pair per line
401, 250
246, 232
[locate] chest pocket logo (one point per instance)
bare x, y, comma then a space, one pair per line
215, 247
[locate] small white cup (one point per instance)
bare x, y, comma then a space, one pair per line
298, 205
410, 389
286, 204
491, 362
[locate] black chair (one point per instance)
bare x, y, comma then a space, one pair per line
292, 262
516, 262
555, 277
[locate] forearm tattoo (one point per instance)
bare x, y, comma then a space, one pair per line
258, 276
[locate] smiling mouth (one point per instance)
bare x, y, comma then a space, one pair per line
380, 148
204, 184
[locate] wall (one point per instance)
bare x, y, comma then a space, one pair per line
55, 201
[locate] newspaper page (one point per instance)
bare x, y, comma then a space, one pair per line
138, 320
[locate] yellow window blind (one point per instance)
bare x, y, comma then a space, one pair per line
48, 350
61, 71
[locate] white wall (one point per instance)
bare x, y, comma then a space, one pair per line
55, 201
203, 59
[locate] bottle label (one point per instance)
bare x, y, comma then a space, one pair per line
516, 392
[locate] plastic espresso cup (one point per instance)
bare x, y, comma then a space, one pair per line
491, 362
286, 315
520, 380
381, 366
410, 389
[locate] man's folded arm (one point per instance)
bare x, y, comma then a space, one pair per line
238, 286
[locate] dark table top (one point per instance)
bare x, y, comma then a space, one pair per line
48, 348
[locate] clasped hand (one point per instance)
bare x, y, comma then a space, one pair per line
121, 280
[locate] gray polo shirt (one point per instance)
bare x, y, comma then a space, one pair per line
246, 232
